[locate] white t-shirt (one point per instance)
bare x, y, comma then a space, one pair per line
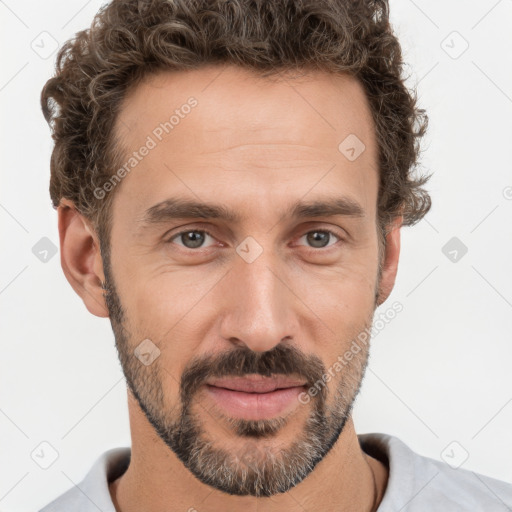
415, 483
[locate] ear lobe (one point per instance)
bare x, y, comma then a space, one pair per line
390, 262
81, 258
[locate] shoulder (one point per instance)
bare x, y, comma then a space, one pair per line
417, 483
92, 493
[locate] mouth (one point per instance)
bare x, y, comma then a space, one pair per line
255, 397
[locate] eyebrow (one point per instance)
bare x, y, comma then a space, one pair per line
179, 208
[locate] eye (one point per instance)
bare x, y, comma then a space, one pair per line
195, 238
192, 238
319, 237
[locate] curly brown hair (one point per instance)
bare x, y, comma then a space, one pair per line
129, 39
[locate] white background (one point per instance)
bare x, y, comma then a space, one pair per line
439, 372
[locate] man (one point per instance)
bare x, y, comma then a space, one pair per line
231, 178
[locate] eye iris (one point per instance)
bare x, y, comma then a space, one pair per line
323, 237
196, 238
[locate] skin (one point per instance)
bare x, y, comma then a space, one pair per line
255, 146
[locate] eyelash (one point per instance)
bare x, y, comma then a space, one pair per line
202, 230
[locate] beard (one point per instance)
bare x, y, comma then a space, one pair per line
262, 466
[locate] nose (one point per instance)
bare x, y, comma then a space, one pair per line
258, 306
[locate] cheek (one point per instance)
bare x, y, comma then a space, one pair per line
161, 308
343, 307
357, 295
340, 295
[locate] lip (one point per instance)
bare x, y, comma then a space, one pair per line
256, 383
255, 398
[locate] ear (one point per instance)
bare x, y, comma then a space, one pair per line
390, 261
81, 258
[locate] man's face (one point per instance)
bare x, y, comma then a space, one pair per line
269, 293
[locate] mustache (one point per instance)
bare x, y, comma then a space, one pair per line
280, 360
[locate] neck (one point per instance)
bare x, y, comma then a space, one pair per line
346, 479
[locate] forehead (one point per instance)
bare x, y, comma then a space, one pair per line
231, 99
228, 132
